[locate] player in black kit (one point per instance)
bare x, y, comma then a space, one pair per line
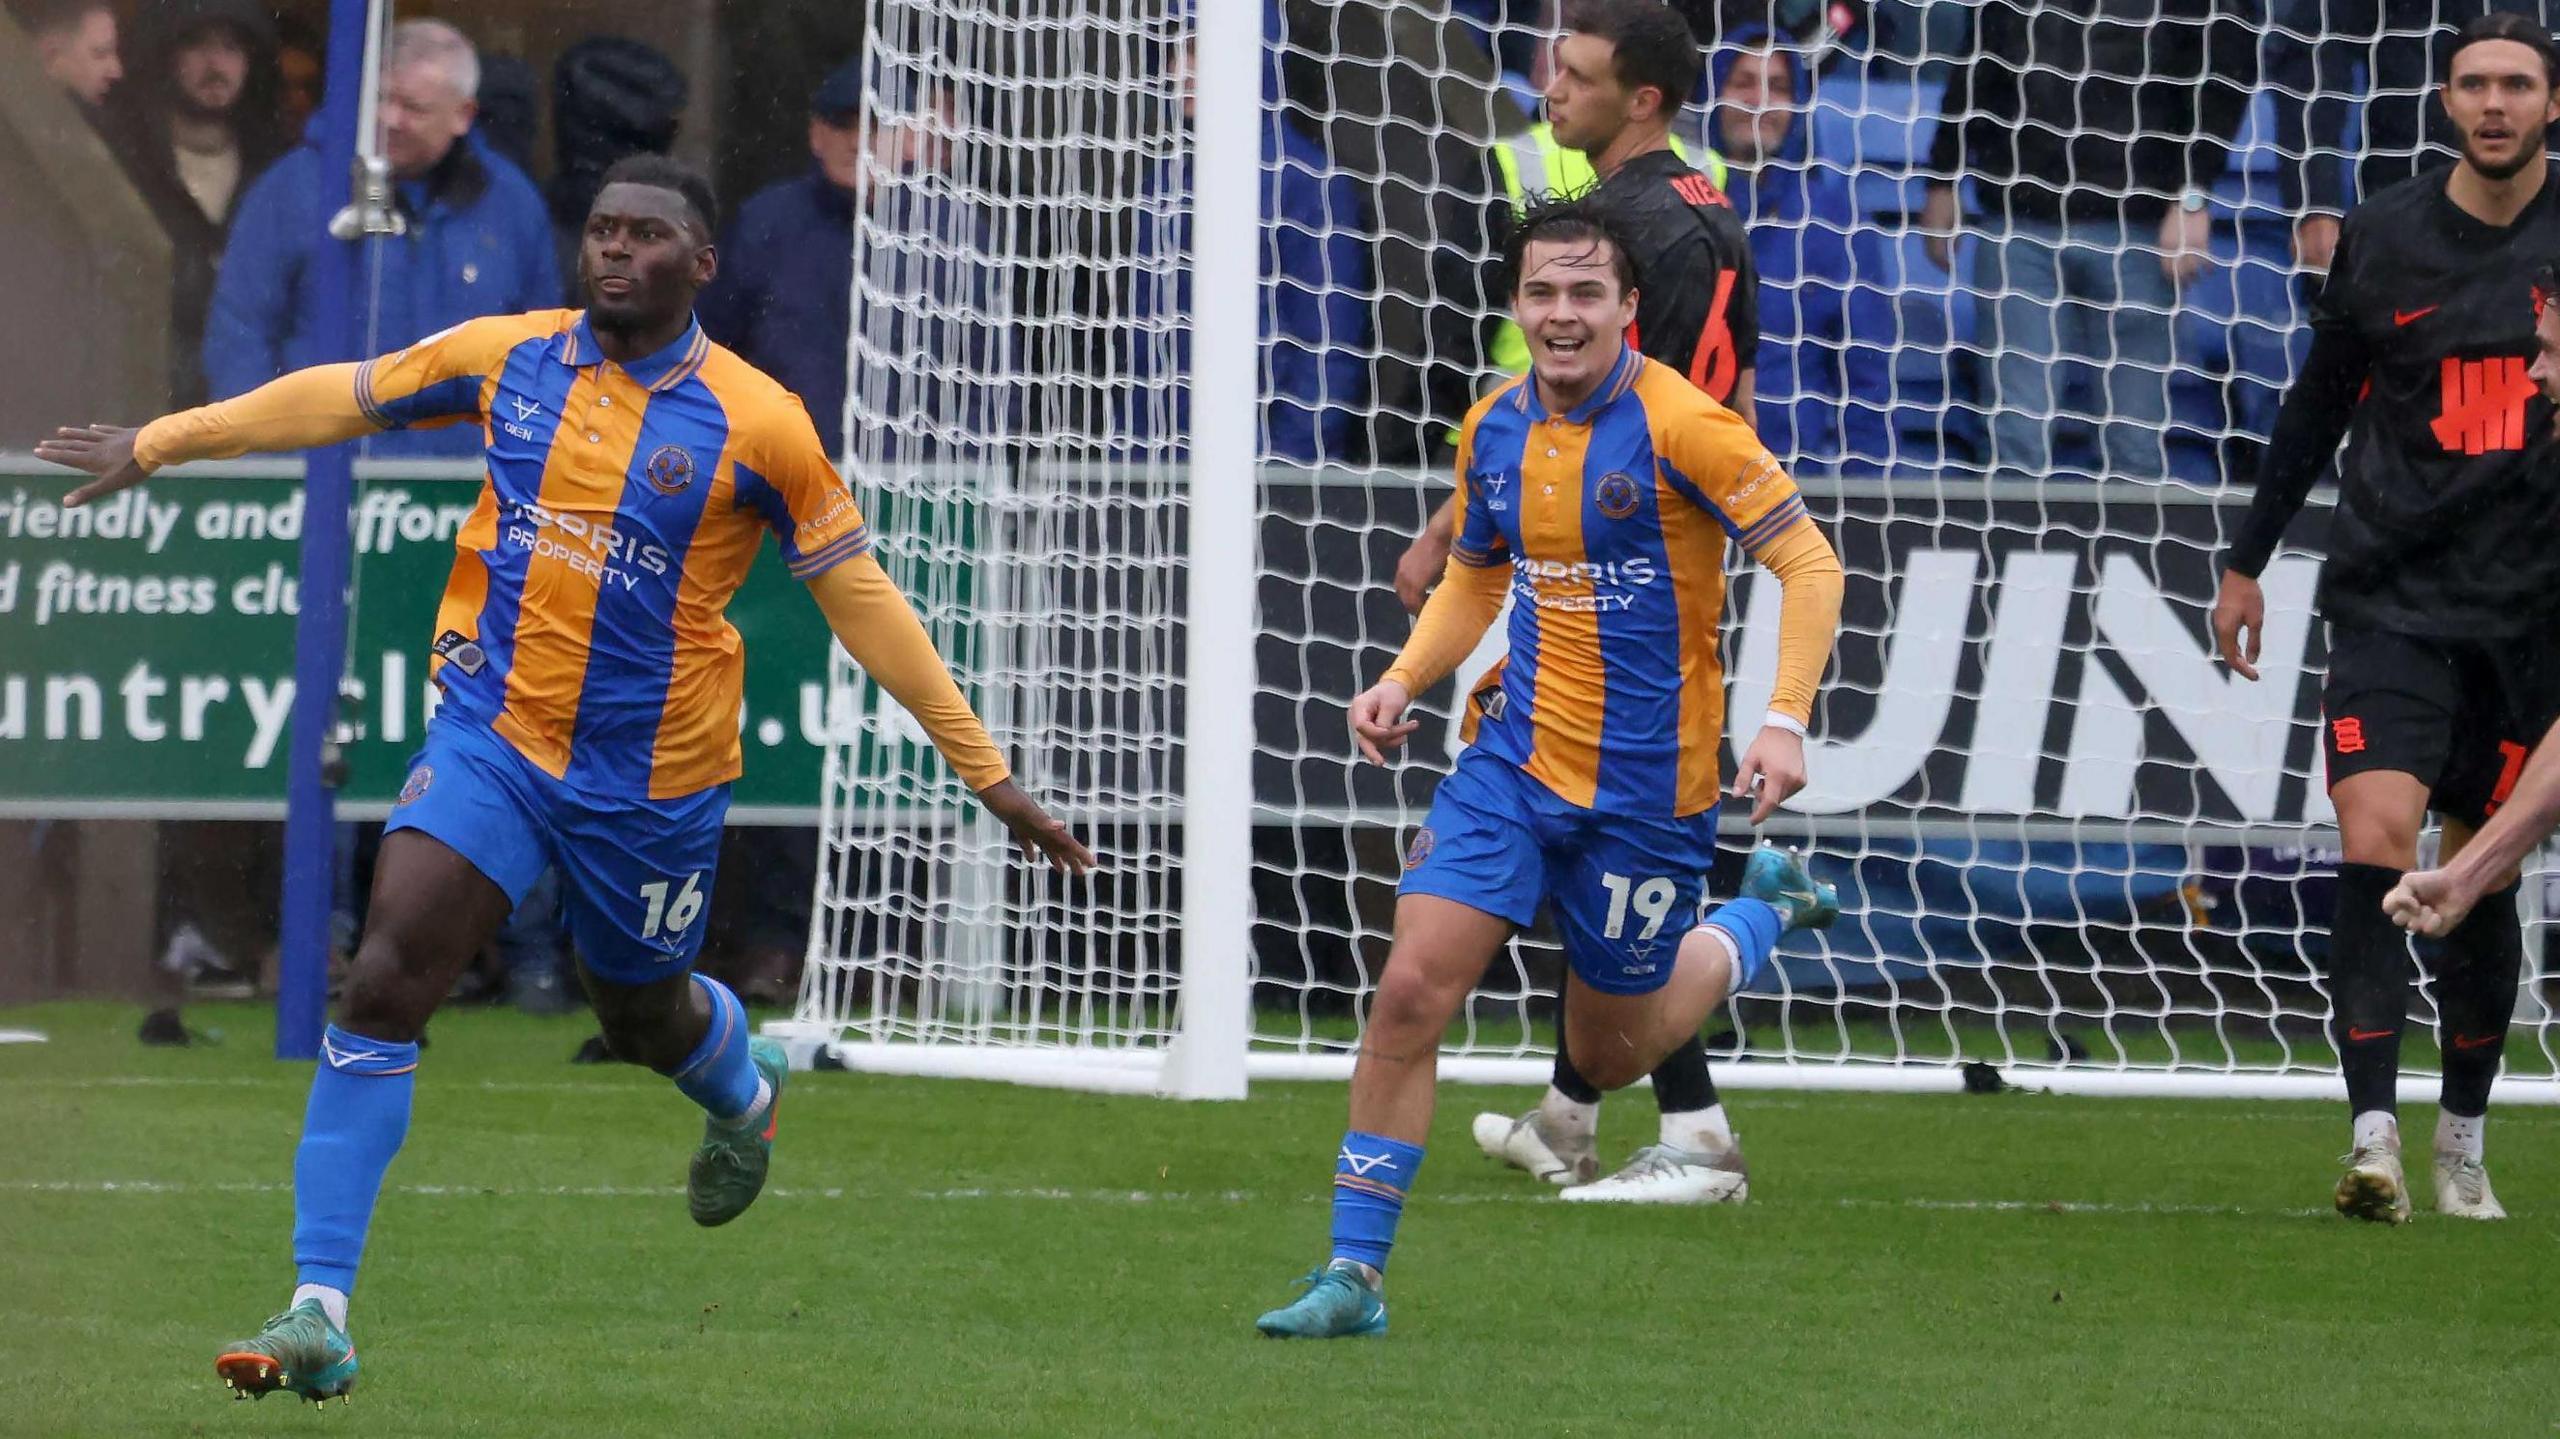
2443, 569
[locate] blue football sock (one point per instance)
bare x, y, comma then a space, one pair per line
720, 1075
1754, 927
358, 1114
1370, 1179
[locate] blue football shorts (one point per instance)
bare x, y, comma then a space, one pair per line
1625, 888
635, 874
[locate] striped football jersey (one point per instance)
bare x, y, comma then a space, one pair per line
624, 504
1612, 519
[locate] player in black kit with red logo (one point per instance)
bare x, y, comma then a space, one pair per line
2443, 569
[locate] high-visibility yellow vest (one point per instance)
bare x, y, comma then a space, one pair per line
1533, 161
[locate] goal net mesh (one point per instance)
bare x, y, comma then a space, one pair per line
2064, 835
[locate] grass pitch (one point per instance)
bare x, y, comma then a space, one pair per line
949, 1258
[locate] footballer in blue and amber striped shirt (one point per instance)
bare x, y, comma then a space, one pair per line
591, 697
1599, 493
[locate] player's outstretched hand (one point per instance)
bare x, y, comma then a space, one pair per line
2239, 622
2430, 902
105, 451
1035, 831
1771, 772
1423, 563
1377, 719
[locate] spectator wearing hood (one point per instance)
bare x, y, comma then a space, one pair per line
1800, 215
611, 98
194, 127
477, 244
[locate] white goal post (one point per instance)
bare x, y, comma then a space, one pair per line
1157, 335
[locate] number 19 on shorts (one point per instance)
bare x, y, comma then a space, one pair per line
1652, 899
665, 917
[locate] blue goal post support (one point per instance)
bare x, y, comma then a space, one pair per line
320, 628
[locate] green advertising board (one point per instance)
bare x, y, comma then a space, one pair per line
146, 649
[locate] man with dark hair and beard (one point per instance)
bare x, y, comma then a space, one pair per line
195, 125
591, 691
2439, 581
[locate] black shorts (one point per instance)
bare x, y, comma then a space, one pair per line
2459, 715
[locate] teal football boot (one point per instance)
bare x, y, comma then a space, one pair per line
299, 1351
728, 1169
1777, 877
1341, 1302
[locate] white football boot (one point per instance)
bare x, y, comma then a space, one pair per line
2462, 1188
2374, 1186
1660, 1174
1531, 1143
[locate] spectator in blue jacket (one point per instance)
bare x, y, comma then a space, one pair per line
1315, 317
1799, 214
479, 241
929, 340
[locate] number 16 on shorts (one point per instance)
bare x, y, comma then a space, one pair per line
666, 918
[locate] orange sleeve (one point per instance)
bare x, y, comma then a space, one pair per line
440, 380
1714, 460
874, 623
299, 411
1469, 595
786, 476
1810, 586
437, 381
1451, 624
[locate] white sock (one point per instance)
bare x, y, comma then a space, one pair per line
2377, 1127
756, 1106
2457, 1135
1700, 1131
1732, 956
333, 1302
1569, 1117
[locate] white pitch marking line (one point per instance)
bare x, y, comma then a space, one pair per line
1105, 1196
2067, 1109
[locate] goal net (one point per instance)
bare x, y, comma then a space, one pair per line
1163, 316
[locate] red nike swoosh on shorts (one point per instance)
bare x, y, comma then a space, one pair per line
2364, 1034
2405, 317
2474, 1041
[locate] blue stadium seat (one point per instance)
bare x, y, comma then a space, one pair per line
2239, 335
2251, 185
1878, 131
2269, 326
1887, 192
1910, 331
1885, 124
1914, 335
